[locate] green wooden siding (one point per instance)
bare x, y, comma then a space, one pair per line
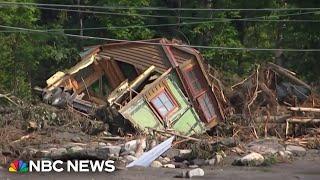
142, 116
185, 120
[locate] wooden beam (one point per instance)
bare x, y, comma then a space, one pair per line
304, 109
284, 72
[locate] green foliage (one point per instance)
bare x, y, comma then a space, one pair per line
27, 59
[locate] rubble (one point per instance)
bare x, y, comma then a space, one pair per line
107, 107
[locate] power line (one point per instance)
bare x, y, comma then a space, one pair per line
173, 24
177, 45
254, 19
159, 8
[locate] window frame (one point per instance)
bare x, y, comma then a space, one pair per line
171, 99
213, 116
197, 74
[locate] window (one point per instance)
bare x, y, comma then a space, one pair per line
194, 80
163, 103
207, 107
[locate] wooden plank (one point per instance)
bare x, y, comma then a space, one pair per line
280, 70
304, 109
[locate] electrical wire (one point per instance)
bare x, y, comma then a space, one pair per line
158, 8
170, 44
254, 19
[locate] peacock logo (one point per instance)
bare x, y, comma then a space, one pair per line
18, 166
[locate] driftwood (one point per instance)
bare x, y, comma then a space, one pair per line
284, 72
303, 120
6, 96
305, 109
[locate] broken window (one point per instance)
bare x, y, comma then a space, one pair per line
163, 103
207, 107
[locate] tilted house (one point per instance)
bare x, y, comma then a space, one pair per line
155, 84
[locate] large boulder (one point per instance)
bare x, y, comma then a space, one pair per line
252, 159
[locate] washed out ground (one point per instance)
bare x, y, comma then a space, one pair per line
303, 168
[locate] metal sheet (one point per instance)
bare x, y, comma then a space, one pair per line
146, 159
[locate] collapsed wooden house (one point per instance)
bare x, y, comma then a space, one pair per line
152, 84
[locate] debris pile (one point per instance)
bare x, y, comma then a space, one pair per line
142, 105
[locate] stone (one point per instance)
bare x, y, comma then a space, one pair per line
211, 161
133, 145
193, 173
130, 158
268, 146
164, 160
285, 154
156, 164
76, 149
252, 159
296, 150
171, 166
76, 139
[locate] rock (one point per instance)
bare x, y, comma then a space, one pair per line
252, 159
133, 145
265, 146
296, 150
76, 139
171, 166
218, 159
164, 160
193, 173
211, 161
199, 162
130, 158
76, 150
156, 164
285, 154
